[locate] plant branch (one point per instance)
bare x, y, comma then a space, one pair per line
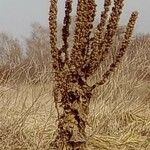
65, 29
122, 50
53, 34
85, 16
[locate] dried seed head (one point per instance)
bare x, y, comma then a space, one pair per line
99, 54
125, 43
85, 16
65, 30
112, 27
53, 33
96, 43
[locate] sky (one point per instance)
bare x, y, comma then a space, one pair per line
16, 16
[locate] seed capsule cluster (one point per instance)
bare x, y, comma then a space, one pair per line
85, 16
65, 29
53, 33
97, 41
121, 52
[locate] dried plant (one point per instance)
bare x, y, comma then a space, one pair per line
72, 93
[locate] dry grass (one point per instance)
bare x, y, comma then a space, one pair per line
119, 113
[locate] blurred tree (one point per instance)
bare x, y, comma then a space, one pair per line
10, 50
38, 48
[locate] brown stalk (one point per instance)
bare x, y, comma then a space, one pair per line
105, 45
53, 33
96, 43
85, 16
65, 29
122, 50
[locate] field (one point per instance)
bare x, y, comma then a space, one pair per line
119, 111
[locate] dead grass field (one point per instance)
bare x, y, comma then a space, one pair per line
119, 112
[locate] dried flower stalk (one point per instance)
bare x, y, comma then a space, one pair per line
53, 33
65, 29
72, 93
85, 16
124, 45
97, 41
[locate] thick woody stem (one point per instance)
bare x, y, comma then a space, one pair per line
73, 108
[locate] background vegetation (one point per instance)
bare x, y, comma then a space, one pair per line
119, 113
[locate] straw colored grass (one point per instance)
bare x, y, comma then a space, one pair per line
119, 112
